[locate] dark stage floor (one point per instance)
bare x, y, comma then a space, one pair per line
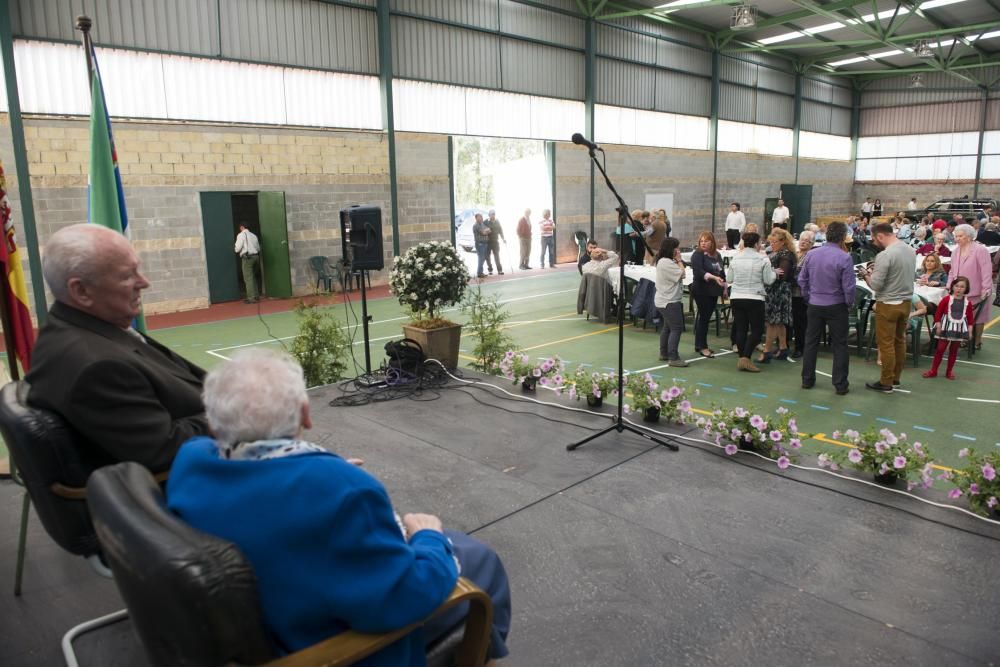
620, 553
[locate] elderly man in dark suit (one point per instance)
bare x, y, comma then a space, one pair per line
127, 397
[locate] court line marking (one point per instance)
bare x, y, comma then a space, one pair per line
991, 323
923, 428
978, 400
690, 361
758, 395
885, 420
977, 363
819, 407
371, 324
963, 437
852, 414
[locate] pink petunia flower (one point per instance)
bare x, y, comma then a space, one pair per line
731, 449
955, 493
989, 472
973, 489
854, 456
992, 502
685, 406
964, 452
775, 436
899, 462
783, 462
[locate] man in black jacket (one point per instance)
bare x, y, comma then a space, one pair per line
127, 397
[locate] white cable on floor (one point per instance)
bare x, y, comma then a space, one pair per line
708, 442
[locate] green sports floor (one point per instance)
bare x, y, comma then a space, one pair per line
946, 415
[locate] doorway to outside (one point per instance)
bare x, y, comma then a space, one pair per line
508, 176
263, 213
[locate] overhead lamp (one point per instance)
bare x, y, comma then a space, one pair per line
916, 81
922, 49
744, 17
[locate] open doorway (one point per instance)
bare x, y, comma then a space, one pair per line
263, 213
505, 175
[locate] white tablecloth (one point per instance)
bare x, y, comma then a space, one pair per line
932, 294
639, 271
725, 253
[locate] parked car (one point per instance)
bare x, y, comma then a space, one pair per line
464, 220
949, 206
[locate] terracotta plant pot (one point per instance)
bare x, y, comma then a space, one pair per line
595, 401
440, 344
651, 414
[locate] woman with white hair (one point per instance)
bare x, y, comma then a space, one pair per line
328, 550
972, 260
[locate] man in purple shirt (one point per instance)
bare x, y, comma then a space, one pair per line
827, 282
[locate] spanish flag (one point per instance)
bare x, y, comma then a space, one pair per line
106, 197
15, 294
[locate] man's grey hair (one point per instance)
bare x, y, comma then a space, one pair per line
967, 230
921, 232
256, 395
812, 227
75, 252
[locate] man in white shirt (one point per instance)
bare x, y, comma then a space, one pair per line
600, 262
867, 208
779, 218
912, 206
735, 222
248, 248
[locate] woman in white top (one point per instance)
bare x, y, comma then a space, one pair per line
735, 222
669, 292
748, 274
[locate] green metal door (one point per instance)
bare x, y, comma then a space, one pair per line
223, 265
798, 199
274, 245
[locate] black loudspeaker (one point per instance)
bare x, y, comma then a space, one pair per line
361, 237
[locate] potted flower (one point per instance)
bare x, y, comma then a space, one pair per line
645, 395
775, 436
979, 481
888, 456
428, 278
519, 367
594, 386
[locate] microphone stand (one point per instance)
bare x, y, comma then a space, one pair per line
624, 218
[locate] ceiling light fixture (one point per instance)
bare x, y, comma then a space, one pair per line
916, 81
744, 17
922, 49
849, 61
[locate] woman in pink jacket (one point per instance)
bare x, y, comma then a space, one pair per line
972, 260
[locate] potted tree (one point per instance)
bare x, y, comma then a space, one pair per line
428, 278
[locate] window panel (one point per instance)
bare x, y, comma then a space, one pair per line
618, 125
965, 143
925, 168
929, 144
824, 146
906, 169
991, 166
991, 142
885, 169
864, 170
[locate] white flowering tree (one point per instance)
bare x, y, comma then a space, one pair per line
429, 277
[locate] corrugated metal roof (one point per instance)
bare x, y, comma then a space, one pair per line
735, 70
430, 51
624, 84
774, 109
537, 23
300, 32
993, 114
737, 103
921, 119
541, 70
916, 97
626, 45
816, 117
187, 26
683, 94
840, 122
657, 28
479, 13
685, 58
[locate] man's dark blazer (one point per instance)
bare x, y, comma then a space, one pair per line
128, 400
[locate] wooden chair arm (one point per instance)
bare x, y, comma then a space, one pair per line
350, 646
78, 493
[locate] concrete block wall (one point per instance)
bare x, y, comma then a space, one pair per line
422, 188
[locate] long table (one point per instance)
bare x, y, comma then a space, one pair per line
639, 271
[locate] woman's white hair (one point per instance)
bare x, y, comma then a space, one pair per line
256, 395
967, 230
808, 235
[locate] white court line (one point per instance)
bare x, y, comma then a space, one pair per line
698, 358
391, 319
894, 389
978, 400
976, 363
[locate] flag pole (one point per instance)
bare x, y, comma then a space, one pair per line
84, 24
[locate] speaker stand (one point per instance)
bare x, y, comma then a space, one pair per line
366, 380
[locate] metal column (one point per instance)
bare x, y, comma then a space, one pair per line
797, 122
588, 105
21, 164
388, 122
713, 139
982, 137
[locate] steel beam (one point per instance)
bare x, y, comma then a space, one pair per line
589, 95
713, 138
388, 121
29, 230
982, 137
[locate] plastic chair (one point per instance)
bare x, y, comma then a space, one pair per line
193, 600
346, 275
324, 272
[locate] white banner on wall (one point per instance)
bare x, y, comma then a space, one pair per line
658, 200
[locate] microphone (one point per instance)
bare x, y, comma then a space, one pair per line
581, 140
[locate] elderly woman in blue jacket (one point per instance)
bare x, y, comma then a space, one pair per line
328, 550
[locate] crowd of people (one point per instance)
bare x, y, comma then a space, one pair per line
786, 294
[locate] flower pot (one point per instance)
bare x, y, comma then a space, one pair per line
595, 401
651, 414
440, 344
528, 384
888, 479
747, 444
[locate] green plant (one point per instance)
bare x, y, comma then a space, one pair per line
487, 317
776, 437
518, 367
428, 278
320, 346
584, 383
644, 390
978, 481
884, 453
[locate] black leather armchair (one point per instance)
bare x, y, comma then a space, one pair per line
193, 598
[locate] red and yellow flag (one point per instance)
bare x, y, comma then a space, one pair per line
14, 291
